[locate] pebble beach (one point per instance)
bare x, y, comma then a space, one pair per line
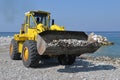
85, 67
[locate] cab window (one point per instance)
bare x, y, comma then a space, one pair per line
32, 24
26, 20
41, 18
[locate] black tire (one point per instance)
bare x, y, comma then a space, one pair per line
32, 58
66, 59
14, 54
45, 57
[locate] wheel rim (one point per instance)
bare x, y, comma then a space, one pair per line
11, 49
26, 54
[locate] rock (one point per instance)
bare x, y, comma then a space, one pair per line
107, 43
72, 43
92, 37
68, 42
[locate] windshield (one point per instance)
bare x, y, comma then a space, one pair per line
41, 18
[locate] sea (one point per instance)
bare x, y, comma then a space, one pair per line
110, 51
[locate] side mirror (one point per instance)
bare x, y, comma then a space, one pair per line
52, 21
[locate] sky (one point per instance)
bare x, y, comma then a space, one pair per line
75, 15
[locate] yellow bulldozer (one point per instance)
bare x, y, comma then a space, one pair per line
39, 37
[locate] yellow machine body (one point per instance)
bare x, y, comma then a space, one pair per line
39, 38
30, 29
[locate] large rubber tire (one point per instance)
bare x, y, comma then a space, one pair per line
30, 56
45, 57
14, 54
66, 59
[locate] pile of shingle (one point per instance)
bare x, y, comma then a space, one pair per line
69, 43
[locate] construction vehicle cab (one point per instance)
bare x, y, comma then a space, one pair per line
38, 37
34, 18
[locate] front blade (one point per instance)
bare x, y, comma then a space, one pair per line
64, 42
51, 35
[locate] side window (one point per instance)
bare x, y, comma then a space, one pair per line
26, 20
44, 21
32, 24
24, 26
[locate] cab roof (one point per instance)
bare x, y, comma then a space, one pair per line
38, 12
